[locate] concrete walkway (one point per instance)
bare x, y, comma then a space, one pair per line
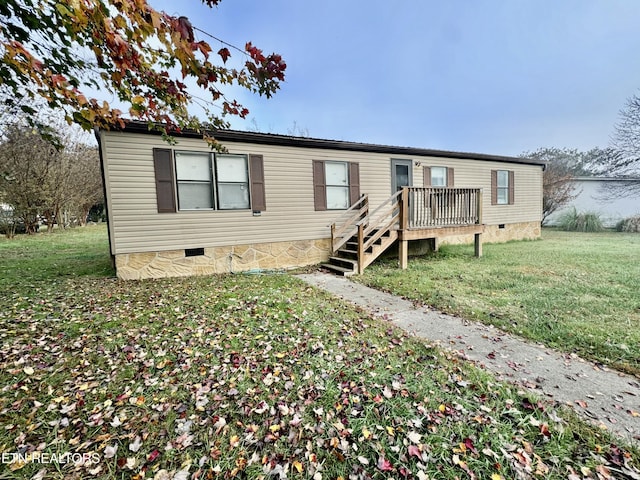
600, 395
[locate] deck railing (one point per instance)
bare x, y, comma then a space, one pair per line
346, 226
384, 218
410, 213
433, 207
380, 226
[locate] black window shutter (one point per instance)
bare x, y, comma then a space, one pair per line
354, 182
256, 172
165, 186
319, 186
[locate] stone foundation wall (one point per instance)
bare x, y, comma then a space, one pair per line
495, 234
238, 258
281, 255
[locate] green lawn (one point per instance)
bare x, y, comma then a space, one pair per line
248, 376
578, 292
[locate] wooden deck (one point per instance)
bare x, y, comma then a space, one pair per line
359, 236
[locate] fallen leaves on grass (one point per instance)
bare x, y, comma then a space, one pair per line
257, 377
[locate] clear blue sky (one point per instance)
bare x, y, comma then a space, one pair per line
489, 76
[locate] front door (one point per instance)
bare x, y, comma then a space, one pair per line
401, 174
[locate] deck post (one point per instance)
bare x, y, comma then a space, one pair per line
360, 248
403, 253
333, 237
403, 245
404, 209
477, 240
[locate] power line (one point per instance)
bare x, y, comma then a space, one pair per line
221, 41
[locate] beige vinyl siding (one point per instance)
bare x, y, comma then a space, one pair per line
288, 175
527, 206
290, 213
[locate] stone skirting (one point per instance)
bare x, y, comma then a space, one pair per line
495, 234
281, 255
237, 258
512, 231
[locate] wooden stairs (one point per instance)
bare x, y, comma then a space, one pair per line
345, 261
359, 237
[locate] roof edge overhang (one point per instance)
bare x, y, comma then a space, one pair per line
133, 126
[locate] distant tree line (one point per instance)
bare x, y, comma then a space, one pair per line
46, 183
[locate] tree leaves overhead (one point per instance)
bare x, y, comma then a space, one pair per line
144, 58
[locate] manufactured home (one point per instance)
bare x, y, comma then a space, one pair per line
279, 202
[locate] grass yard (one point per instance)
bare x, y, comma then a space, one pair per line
577, 292
247, 376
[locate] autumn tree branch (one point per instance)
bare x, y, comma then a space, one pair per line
60, 51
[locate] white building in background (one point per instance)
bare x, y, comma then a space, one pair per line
603, 195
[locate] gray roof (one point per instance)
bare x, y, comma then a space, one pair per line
306, 142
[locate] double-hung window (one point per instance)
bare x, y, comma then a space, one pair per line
214, 182
438, 176
502, 187
336, 184
337, 177
188, 180
195, 181
232, 181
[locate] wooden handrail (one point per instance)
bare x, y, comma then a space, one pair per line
382, 229
352, 221
407, 210
347, 223
346, 214
380, 222
379, 215
392, 198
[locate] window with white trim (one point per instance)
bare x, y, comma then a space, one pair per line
502, 187
211, 182
439, 176
337, 183
194, 180
233, 182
